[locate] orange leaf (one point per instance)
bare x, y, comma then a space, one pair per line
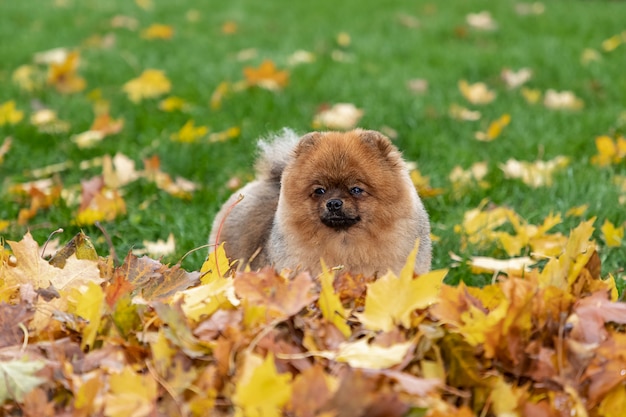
266, 76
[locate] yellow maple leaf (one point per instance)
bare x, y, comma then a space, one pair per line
577, 211
189, 133
130, 394
205, 299
561, 272
150, 84
612, 235
266, 76
158, 31
477, 93
9, 114
216, 265
531, 95
392, 299
172, 103
614, 402
64, 77
330, 304
609, 151
495, 129
89, 306
262, 391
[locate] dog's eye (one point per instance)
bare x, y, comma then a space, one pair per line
319, 191
356, 191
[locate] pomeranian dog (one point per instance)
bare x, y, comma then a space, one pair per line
344, 197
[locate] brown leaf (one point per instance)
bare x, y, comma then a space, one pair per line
281, 295
591, 314
310, 392
80, 245
155, 281
11, 317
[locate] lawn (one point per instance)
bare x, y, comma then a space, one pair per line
134, 122
362, 54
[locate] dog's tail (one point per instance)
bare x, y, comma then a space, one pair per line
275, 152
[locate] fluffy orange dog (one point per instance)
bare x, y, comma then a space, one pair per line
344, 197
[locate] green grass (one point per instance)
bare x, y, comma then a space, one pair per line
384, 55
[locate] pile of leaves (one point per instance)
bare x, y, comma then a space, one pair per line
81, 336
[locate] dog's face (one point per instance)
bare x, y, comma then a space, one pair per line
353, 182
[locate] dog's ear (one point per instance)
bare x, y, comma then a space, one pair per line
307, 141
377, 140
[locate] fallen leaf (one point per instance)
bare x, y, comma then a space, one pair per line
610, 151
19, 377
363, 354
481, 21
477, 93
150, 84
534, 174
562, 100
158, 31
342, 116
261, 391
189, 133
172, 104
515, 79
281, 296
266, 76
532, 96
330, 303
9, 114
612, 235
64, 75
130, 394
462, 113
391, 300
494, 130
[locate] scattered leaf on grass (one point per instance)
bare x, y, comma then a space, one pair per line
612, 235
534, 174
477, 93
515, 79
342, 116
190, 133
562, 100
494, 130
151, 83
64, 75
481, 21
9, 114
158, 31
266, 76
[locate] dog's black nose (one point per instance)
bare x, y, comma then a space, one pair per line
334, 204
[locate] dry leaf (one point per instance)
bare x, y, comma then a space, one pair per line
534, 174
481, 21
150, 84
562, 100
158, 31
342, 116
266, 76
494, 130
477, 93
